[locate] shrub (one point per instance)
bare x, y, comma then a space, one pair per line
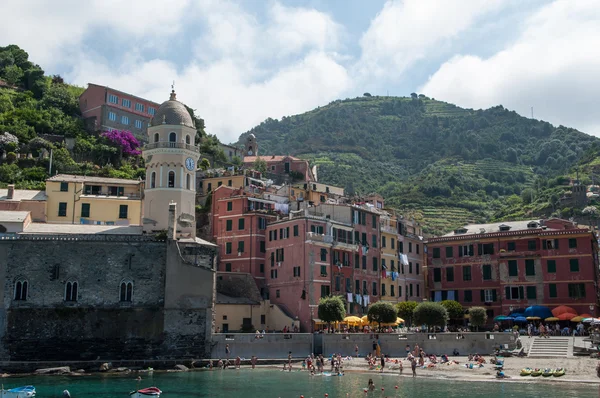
406, 311
331, 309
431, 314
478, 316
382, 312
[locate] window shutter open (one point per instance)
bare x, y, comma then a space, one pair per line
507, 292
482, 295
479, 249
494, 296
521, 293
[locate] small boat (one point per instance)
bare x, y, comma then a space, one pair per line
536, 372
526, 371
18, 392
145, 393
548, 372
559, 372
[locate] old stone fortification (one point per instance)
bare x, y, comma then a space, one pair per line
169, 315
277, 345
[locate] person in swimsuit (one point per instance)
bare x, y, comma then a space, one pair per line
371, 385
382, 362
413, 365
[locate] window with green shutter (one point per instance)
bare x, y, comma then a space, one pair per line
123, 211
62, 209
323, 254
229, 206
574, 265
85, 210
229, 225
552, 290
467, 273
323, 270
436, 252
375, 267
449, 252
529, 267
572, 243
513, 268
228, 248
241, 224
531, 245
468, 296
551, 266
531, 292
450, 274
487, 272
437, 275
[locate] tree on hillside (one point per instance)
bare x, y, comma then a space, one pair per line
331, 309
431, 314
454, 308
382, 312
478, 316
406, 310
13, 74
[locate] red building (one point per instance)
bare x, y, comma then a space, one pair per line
104, 108
283, 165
238, 226
515, 264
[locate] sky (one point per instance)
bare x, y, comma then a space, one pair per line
239, 62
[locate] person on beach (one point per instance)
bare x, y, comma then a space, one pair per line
413, 365
371, 385
382, 361
238, 361
284, 367
400, 366
253, 361
356, 350
227, 351
220, 364
290, 360
374, 348
407, 348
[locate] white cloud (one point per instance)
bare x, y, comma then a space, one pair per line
407, 31
553, 66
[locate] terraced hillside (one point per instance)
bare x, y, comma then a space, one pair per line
448, 164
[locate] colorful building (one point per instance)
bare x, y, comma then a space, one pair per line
412, 260
104, 108
24, 200
75, 199
390, 271
283, 166
510, 265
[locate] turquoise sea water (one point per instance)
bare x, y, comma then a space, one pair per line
256, 383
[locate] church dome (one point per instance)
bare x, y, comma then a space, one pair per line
172, 112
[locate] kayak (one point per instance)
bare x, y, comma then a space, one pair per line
559, 372
536, 372
146, 392
548, 372
18, 392
526, 371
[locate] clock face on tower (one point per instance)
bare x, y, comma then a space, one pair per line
189, 164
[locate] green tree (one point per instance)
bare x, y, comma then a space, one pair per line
13, 74
260, 165
478, 316
405, 310
382, 312
204, 164
527, 195
431, 314
455, 310
331, 309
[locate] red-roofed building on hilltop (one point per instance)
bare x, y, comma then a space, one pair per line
510, 265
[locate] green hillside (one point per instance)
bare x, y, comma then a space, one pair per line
446, 164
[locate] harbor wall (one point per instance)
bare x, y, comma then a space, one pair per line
269, 346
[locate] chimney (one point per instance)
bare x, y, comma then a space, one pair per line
172, 223
11, 192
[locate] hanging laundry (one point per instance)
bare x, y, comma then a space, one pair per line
282, 207
438, 296
366, 300
349, 297
450, 294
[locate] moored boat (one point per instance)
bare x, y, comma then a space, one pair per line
18, 392
536, 372
559, 372
548, 372
146, 392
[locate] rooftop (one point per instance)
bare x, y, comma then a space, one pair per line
13, 216
476, 229
269, 158
91, 179
79, 229
172, 112
223, 299
23, 194
122, 92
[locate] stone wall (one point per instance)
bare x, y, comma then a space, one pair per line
270, 346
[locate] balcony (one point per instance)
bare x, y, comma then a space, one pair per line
388, 229
179, 145
313, 237
346, 244
518, 253
107, 195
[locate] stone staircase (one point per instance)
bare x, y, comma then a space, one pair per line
551, 347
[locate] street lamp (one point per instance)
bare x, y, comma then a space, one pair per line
592, 309
511, 308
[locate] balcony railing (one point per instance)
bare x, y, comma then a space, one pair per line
179, 145
319, 238
110, 195
388, 229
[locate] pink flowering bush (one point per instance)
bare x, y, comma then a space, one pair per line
123, 140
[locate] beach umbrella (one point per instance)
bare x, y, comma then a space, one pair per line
520, 319
590, 320
365, 319
399, 321
533, 318
539, 311
502, 318
566, 316
353, 320
577, 319
585, 316
552, 319
517, 312
562, 309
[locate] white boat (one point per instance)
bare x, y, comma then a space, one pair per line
18, 392
150, 392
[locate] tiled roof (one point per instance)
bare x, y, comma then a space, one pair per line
172, 112
13, 216
98, 180
268, 158
23, 194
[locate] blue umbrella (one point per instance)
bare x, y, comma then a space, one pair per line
516, 315
539, 311
517, 312
520, 319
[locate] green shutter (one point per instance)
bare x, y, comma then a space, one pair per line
552, 289
494, 296
521, 292
482, 295
507, 292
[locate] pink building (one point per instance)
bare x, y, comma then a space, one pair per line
104, 108
282, 165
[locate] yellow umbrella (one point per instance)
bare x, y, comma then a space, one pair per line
365, 319
353, 320
399, 321
577, 319
552, 319
533, 318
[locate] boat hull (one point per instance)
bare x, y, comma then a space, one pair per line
21, 392
151, 392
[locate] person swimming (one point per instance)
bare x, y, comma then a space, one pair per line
371, 385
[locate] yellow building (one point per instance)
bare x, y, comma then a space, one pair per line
75, 199
315, 192
210, 183
389, 258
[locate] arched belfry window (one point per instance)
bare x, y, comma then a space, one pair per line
21, 289
71, 290
172, 137
156, 137
187, 139
188, 181
126, 291
153, 180
171, 179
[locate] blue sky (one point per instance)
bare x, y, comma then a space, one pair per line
239, 62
